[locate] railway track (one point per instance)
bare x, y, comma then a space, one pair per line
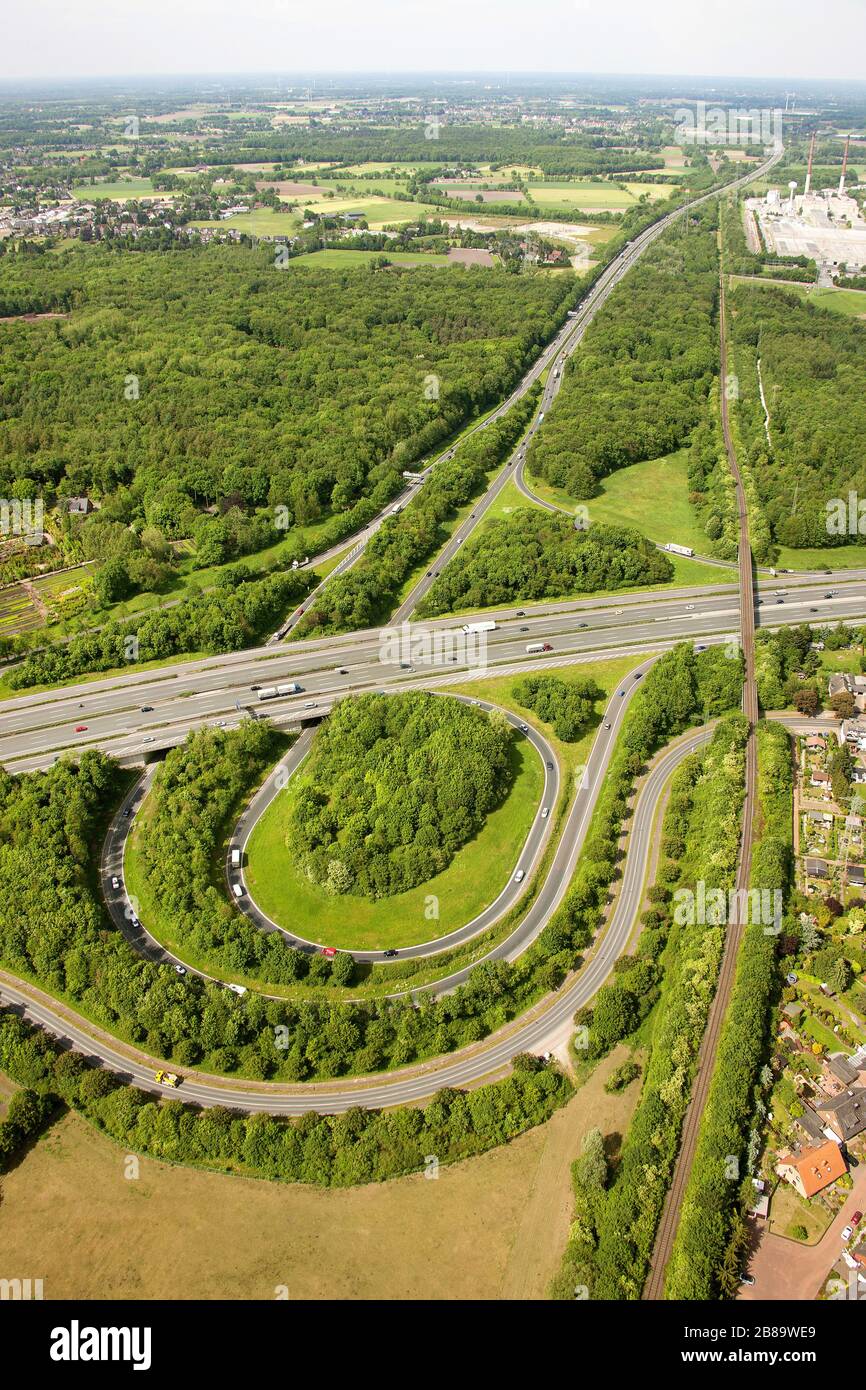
666, 1235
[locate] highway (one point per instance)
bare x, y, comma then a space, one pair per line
548, 1024
136, 715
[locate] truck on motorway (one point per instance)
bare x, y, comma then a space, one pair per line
678, 549
479, 627
538, 647
236, 858
272, 692
396, 509
411, 477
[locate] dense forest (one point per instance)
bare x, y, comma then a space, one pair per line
811, 364
367, 592
358, 1146
534, 554
210, 397
568, 705
641, 380
395, 785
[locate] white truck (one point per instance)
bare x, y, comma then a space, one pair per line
479, 627
678, 549
273, 692
236, 858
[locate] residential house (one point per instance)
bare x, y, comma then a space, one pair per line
856, 874
842, 1069
820, 778
814, 1170
816, 868
844, 1116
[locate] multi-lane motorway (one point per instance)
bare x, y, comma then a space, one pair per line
133, 716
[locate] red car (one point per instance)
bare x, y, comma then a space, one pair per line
329, 951
856, 1218
81, 728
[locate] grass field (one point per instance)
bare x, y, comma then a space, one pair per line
849, 302
474, 878
493, 1227
836, 557
607, 674
121, 190
347, 260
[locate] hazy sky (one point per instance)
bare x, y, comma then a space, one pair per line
80, 38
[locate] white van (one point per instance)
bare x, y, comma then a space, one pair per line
237, 890
236, 858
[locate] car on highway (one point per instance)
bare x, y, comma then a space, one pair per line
689, 607
342, 671
127, 811
115, 882
237, 890
520, 613
638, 675
167, 1078
390, 953
813, 610
221, 723
831, 593
524, 728
81, 728
148, 738
255, 687
550, 767
780, 600
545, 813
583, 625
329, 951
524, 629
621, 693
147, 709
520, 876
309, 704
606, 723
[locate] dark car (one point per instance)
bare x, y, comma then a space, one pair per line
813, 610
520, 613
390, 953
147, 709
780, 600
550, 767
583, 625
638, 675
255, 687
621, 693
524, 629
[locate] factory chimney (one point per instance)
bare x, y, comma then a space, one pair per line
808, 187
844, 167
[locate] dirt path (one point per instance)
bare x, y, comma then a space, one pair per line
543, 1228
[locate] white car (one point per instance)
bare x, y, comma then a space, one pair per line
847, 1234
180, 969
115, 882
520, 876
545, 813
148, 739
524, 728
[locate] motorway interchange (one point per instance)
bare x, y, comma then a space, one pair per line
134, 716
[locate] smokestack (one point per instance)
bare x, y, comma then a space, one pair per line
808, 187
844, 167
